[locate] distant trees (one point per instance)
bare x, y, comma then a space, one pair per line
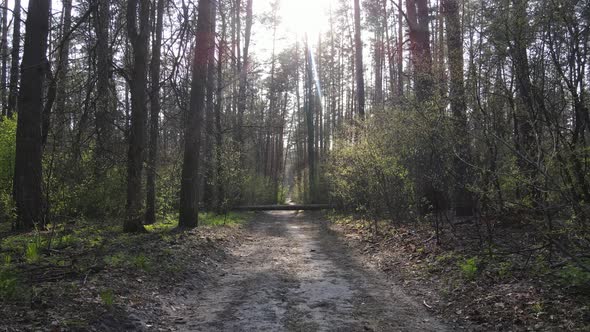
469, 107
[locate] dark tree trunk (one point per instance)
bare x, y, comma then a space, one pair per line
379, 51
418, 21
188, 216
358, 45
62, 122
208, 188
104, 105
14, 61
4, 57
309, 112
220, 194
28, 175
462, 197
400, 51
244, 75
137, 134
150, 212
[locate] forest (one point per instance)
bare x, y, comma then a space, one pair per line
446, 142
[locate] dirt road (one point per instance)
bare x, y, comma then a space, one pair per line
294, 274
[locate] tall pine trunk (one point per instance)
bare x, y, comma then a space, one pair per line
28, 175
137, 134
14, 61
62, 122
462, 197
104, 105
244, 75
4, 58
150, 212
188, 216
208, 188
358, 46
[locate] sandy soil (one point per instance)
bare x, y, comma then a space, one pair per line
294, 274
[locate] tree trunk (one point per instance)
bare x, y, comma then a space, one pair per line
62, 122
4, 99
244, 75
14, 61
188, 216
462, 197
104, 105
28, 175
220, 194
150, 212
358, 45
208, 188
309, 112
417, 12
400, 51
137, 132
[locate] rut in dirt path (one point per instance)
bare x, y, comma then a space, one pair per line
293, 274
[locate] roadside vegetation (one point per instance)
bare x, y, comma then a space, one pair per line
87, 273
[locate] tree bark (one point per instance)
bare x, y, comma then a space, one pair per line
417, 13
62, 122
309, 112
14, 61
188, 216
208, 188
462, 197
104, 105
220, 194
150, 212
137, 134
244, 75
28, 175
358, 45
4, 58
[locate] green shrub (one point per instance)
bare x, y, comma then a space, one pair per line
32, 252
142, 262
572, 275
8, 283
469, 268
505, 269
366, 178
108, 297
7, 156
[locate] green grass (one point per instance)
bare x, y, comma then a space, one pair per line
230, 219
107, 297
32, 253
8, 283
469, 268
170, 221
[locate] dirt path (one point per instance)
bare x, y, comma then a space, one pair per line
293, 274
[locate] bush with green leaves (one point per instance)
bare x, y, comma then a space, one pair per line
7, 157
365, 178
469, 268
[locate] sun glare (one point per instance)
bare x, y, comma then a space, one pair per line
309, 17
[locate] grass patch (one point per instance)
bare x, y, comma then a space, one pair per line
8, 283
170, 221
469, 268
229, 219
108, 297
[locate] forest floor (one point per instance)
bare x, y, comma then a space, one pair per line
269, 271
508, 287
